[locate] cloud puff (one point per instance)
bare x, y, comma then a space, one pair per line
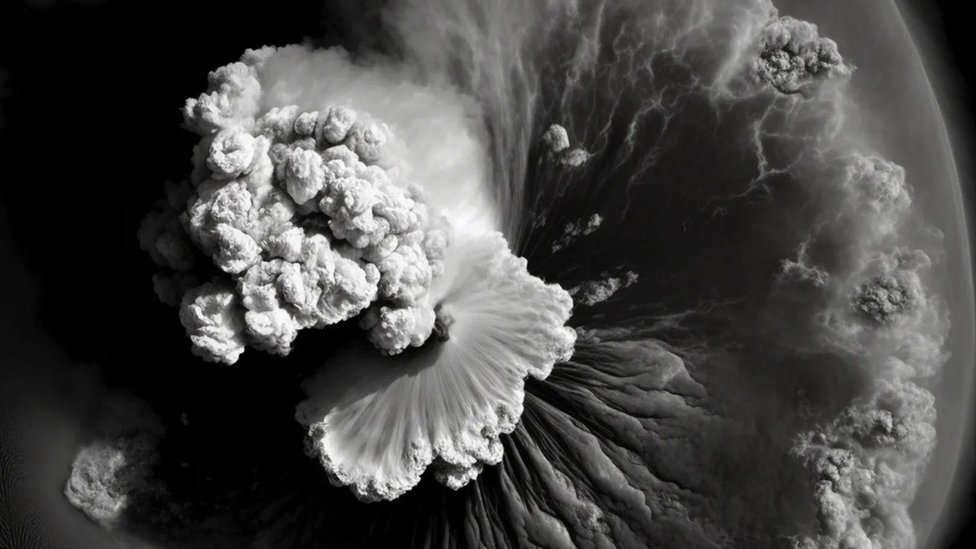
295, 209
556, 141
777, 53
592, 292
113, 471
576, 230
886, 296
793, 56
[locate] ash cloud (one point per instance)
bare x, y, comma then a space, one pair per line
768, 381
556, 141
309, 210
573, 232
790, 366
307, 215
112, 474
592, 292
793, 56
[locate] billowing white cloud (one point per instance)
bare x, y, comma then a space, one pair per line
308, 209
296, 209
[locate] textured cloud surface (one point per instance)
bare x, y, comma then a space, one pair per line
643, 273
321, 216
297, 209
113, 471
378, 425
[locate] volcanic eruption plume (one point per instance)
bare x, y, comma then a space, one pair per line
529, 273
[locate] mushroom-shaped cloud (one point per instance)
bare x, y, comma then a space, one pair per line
377, 423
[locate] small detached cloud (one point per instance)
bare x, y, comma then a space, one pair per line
556, 141
591, 292
112, 474
576, 230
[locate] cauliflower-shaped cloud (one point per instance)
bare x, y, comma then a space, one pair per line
793, 56
886, 296
212, 320
880, 183
306, 227
99, 484
114, 469
556, 141
367, 141
394, 329
882, 194
335, 124
376, 426
231, 153
867, 464
232, 97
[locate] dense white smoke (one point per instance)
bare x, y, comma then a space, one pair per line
786, 353
325, 189
315, 208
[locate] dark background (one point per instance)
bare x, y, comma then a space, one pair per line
42, 76
946, 31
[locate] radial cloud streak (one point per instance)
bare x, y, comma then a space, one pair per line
377, 424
